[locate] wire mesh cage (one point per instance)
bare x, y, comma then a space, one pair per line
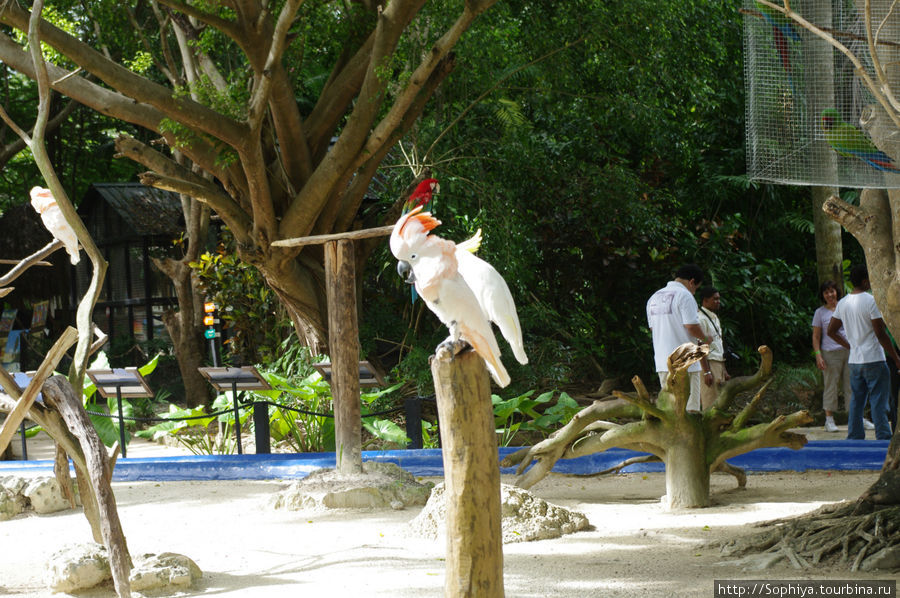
810, 117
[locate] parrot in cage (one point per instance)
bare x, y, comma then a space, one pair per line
850, 142
782, 30
44, 204
430, 263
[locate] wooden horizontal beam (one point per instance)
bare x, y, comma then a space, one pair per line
366, 233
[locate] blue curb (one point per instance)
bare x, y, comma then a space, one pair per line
837, 455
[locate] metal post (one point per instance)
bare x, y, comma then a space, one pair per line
237, 417
24, 443
413, 408
121, 421
214, 352
261, 427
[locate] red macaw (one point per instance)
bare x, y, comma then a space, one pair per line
421, 195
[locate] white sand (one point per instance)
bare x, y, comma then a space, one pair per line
247, 549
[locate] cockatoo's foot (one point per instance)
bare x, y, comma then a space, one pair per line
452, 347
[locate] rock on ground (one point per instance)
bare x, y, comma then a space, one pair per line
82, 566
78, 567
45, 496
42, 495
381, 485
523, 517
165, 570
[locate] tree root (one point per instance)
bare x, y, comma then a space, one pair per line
836, 535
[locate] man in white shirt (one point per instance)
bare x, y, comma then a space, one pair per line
868, 343
672, 317
710, 300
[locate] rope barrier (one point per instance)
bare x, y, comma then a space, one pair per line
247, 404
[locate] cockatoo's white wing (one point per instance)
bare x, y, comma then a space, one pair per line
494, 298
456, 306
52, 217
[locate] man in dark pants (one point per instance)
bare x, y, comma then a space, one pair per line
870, 376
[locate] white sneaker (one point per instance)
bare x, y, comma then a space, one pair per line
830, 426
868, 425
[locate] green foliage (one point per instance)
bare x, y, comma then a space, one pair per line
521, 413
305, 431
602, 147
193, 434
256, 322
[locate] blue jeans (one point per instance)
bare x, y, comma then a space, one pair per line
870, 382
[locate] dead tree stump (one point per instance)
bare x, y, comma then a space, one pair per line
471, 475
58, 392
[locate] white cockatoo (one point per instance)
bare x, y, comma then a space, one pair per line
431, 264
51, 215
490, 289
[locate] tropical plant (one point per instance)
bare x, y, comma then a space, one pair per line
256, 324
521, 413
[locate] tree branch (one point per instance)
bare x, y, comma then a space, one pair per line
171, 176
140, 89
641, 400
740, 384
261, 92
769, 434
30, 261
229, 28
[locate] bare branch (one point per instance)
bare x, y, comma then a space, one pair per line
32, 260
260, 97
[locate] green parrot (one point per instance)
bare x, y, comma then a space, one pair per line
850, 142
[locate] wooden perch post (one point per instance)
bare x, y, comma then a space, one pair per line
471, 475
343, 343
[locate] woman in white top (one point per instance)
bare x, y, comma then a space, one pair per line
831, 358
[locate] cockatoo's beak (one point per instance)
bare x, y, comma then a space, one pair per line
405, 272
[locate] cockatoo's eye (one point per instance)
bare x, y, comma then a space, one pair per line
413, 256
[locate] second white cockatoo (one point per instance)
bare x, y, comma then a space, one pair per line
432, 264
52, 217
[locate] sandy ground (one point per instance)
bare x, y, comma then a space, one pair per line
247, 549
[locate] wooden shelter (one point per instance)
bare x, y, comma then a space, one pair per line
130, 222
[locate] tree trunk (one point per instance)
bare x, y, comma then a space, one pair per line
472, 476
185, 328
687, 474
190, 352
58, 392
819, 66
829, 249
